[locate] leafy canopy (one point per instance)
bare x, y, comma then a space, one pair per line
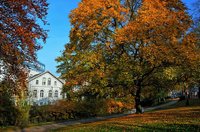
19, 34
123, 44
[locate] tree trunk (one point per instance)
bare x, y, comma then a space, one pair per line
138, 106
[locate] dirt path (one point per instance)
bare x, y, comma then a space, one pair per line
46, 128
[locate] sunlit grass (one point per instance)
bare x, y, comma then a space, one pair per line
178, 117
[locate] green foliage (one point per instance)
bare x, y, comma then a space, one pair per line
8, 111
13, 111
23, 108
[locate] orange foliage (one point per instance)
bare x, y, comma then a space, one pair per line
124, 43
19, 34
19, 29
113, 106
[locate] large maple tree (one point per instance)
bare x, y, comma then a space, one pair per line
20, 34
121, 44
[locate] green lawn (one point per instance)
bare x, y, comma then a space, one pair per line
174, 118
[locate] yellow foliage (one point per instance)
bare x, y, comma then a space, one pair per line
114, 106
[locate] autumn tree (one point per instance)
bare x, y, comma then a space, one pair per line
122, 44
20, 34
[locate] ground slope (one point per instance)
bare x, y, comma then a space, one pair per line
173, 118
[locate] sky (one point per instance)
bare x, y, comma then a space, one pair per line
58, 35
59, 27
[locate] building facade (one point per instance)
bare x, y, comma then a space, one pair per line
44, 88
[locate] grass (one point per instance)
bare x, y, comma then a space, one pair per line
177, 117
173, 118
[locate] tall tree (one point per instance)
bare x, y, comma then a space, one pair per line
122, 44
19, 35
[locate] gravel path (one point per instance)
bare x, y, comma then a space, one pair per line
46, 128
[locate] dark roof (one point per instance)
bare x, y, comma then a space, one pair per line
40, 74
33, 76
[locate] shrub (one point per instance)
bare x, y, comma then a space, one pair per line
114, 106
181, 98
64, 110
8, 114
102, 107
8, 111
23, 108
61, 110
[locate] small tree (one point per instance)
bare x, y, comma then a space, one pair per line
23, 108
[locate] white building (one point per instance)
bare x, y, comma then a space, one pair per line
44, 88
2, 71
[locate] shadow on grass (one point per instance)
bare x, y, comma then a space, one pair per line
167, 120
150, 127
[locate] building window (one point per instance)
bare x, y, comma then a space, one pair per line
49, 81
50, 93
37, 82
56, 93
43, 81
35, 93
55, 83
41, 93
